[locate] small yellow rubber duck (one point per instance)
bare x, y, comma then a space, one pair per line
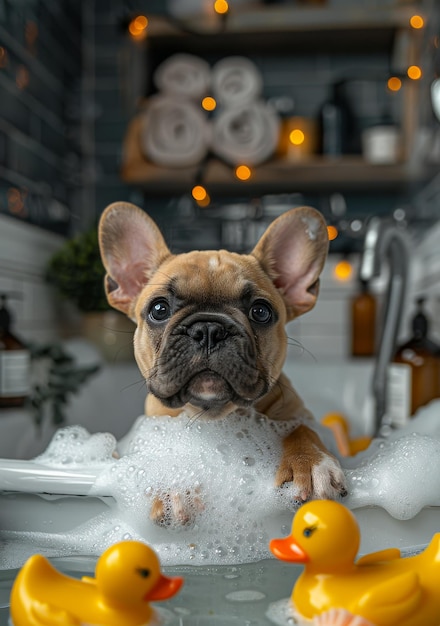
127, 578
341, 432
381, 587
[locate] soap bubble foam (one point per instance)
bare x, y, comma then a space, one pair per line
213, 481
401, 475
211, 485
74, 446
282, 613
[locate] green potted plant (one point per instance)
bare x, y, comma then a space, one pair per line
77, 272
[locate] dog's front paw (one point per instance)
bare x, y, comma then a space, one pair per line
328, 479
315, 472
176, 509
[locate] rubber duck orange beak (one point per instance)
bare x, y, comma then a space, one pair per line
164, 588
287, 549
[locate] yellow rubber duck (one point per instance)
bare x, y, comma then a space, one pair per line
341, 432
381, 587
127, 578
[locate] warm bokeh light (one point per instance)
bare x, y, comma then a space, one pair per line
138, 27
296, 137
417, 21
332, 232
15, 198
3, 57
31, 33
221, 7
22, 77
209, 103
414, 72
394, 83
199, 193
205, 202
343, 270
243, 172
141, 22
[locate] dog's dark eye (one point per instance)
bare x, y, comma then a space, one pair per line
260, 312
159, 311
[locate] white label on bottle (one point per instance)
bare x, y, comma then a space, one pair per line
14, 373
399, 394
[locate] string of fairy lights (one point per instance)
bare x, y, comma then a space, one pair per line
138, 30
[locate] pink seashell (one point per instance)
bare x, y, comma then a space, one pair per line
340, 617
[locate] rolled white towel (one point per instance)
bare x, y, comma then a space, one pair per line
174, 133
183, 75
235, 81
247, 134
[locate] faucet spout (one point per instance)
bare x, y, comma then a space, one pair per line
385, 242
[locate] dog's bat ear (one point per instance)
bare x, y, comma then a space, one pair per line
132, 248
293, 251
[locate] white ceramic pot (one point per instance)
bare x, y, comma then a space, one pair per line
381, 144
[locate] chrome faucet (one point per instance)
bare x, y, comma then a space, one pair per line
385, 241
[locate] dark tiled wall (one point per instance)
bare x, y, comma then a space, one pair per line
40, 75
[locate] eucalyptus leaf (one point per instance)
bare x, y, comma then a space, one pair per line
63, 379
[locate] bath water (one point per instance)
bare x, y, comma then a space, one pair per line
251, 594
243, 595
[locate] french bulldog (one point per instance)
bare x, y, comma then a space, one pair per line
210, 333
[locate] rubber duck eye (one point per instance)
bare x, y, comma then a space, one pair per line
143, 572
308, 532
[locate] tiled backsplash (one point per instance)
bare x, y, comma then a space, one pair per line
24, 253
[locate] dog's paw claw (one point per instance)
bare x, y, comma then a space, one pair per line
328, 479
323, 479
306, 462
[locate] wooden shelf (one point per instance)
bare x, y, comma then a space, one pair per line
315, 175
276, 176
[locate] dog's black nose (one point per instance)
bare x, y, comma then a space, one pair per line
207, 334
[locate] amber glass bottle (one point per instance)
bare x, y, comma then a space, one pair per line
363, 322
14, 363
414, 377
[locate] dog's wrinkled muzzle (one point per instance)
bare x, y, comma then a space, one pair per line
207, 360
